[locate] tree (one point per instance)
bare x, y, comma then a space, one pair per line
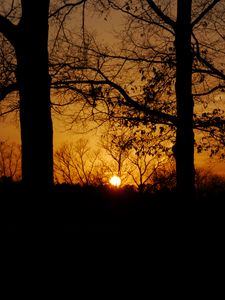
149, 155
76, 164
209, 186
172, 45
117, 144
10, 161
136, 152
184, 147
181, 27
30, 40
26, 28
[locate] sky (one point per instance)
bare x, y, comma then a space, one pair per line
104, 28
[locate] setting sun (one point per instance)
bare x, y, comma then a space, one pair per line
115, 181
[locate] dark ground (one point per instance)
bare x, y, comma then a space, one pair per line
88, 209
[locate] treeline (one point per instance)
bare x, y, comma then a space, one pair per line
75, 208
209, 187
78, 164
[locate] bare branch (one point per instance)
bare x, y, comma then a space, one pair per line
204, 12
210, 66
129, 58
139, 17
208, 92
211, 122
67, 5
7, 90
8, 111
8, 29
159, 13
156, 115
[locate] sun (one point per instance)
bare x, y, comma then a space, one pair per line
115, 181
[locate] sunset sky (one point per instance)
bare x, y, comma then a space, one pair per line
104, 26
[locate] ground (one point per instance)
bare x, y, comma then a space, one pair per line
90, 209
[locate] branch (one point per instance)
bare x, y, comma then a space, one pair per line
7, 90
66, 6
8, 111
211, 122
215, 88
128, 12
157, 115
213, 69
128, 58
204, 12
8, 29
160, 14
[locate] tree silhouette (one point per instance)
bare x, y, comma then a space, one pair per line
30, 40
26, 28
184, 147
136, 152
171, 62
117, 144
181, 56
10, 161
77, 164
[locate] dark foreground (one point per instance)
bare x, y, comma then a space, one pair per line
89, 209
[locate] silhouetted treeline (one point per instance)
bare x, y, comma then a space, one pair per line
73, 208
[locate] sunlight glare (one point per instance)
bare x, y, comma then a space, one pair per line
115, 181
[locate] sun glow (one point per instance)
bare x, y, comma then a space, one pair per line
115, 181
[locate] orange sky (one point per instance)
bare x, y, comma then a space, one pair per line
10, 127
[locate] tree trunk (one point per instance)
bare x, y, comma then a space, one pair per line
184, 149
34, 88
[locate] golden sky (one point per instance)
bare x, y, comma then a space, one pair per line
104, 29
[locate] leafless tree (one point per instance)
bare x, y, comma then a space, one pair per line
136, 152
146, 163
209, 184
77, 163
117, 144
10, 161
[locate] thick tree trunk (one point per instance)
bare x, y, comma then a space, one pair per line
184, 149
34, 87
